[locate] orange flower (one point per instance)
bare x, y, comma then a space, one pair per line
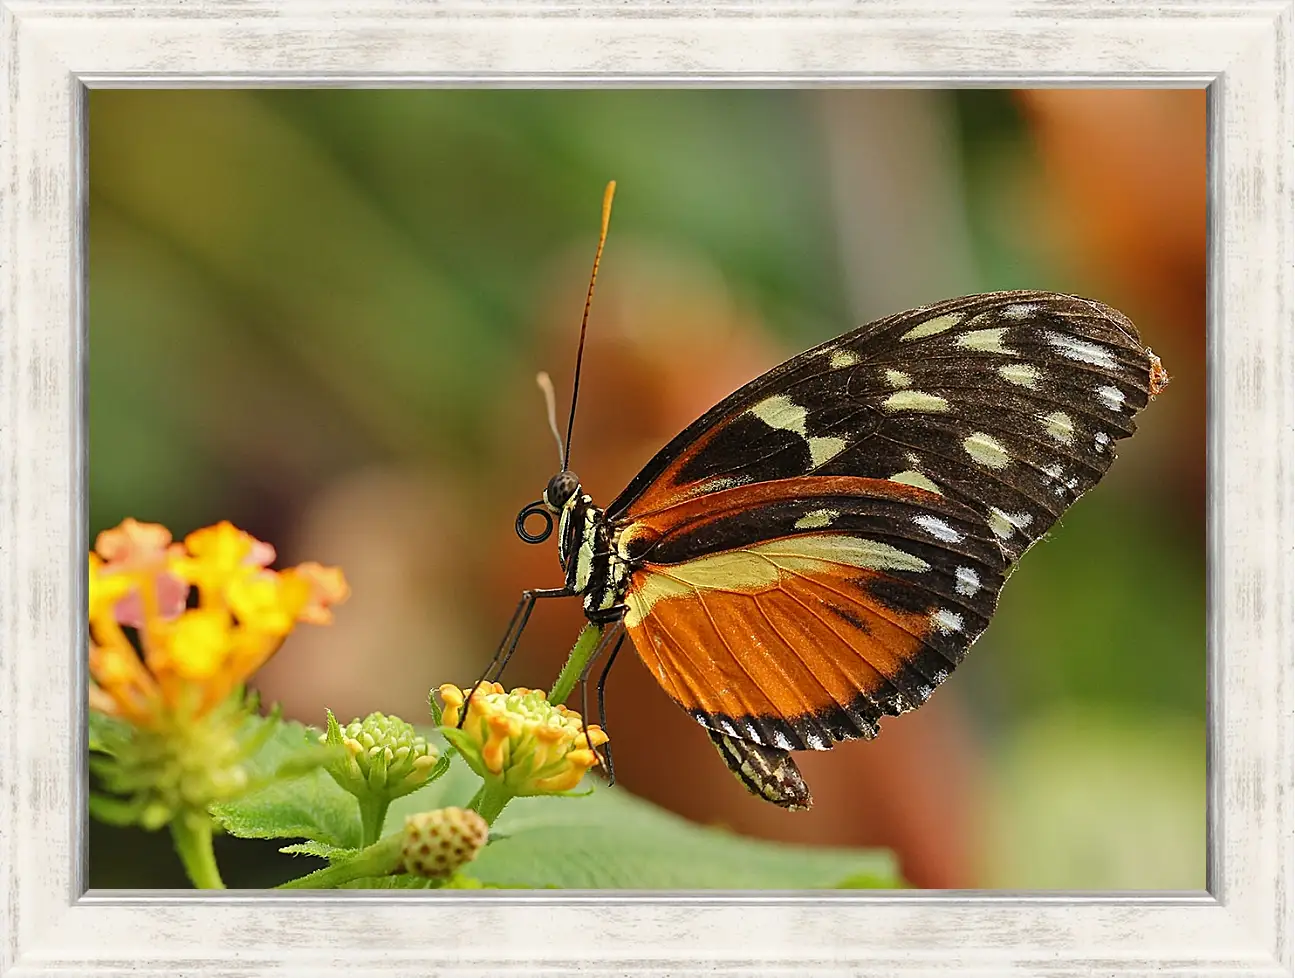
190, 659
519, 739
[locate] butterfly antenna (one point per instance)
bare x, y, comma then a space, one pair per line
608, 194
551, 404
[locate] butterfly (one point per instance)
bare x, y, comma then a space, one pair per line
822, 547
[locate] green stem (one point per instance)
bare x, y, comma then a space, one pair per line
373, 812
380, 859
581, 652
490, 801
191, 833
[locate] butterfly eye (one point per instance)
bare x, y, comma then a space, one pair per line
536, 508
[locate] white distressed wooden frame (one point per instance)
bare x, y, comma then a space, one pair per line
51, 50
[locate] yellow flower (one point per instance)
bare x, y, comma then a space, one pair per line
184, 661
520, 740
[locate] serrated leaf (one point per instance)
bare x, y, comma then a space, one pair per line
323, 850
613, 840
311, 806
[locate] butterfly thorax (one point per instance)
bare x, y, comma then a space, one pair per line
592, 567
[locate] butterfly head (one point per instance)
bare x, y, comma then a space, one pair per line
562, 488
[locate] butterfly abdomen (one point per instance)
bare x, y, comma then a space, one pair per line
767, 772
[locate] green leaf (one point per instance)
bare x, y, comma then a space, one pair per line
321, 849
107, 733
614, 840
310, 806
115, 811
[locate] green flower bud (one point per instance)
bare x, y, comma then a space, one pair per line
438, 843
384, 756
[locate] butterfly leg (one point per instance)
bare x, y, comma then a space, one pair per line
513, 636
604, 756
602, 706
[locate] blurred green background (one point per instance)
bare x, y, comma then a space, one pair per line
319, 314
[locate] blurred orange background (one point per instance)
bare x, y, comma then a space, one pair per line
319, 314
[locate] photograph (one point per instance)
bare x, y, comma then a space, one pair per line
647, 489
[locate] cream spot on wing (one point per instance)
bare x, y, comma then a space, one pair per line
897, 378
816, 518
1081, 350
782, 412
1059, 425
911, 477
759, 568
1005, 525
1018, 310
986, 450
1111, 397
915, 401
843, 358
823, 449
985, 341
946, 621
967, 582
1000, 524
1101, 441
937, 528
1020, 374
933, 326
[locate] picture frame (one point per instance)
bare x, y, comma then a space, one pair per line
54, 51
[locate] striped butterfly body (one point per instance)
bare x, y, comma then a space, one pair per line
821, 548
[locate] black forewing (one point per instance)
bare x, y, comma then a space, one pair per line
1008, 402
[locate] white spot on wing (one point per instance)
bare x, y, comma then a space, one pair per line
937, 528
1101, 441
728, 728
946, 621
1081, 350
815, 741
933, 326
968, 582
1111, 397
1018, 310
915, 401
986, 450
780, 739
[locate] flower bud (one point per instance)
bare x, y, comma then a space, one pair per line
438, 843
384, 756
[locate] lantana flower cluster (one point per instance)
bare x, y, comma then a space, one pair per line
519, 740
186, 660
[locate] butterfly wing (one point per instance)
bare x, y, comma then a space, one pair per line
1009, 403
795, 613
